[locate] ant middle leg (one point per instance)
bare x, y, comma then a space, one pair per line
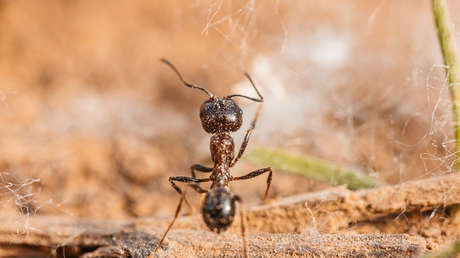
199, 168
258, 173
247, 135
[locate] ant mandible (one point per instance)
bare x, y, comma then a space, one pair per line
219, 116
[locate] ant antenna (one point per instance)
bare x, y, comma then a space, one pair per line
260, 99
182, 79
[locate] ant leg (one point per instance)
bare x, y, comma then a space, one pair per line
194, 184
198, 188
258, 173
170, 224
248, 134
236, 198
192, 181
200, 168
185, 179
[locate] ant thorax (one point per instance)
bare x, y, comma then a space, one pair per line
222, 149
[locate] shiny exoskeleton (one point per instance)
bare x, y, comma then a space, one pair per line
219, 116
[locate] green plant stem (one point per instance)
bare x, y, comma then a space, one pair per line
449, 52
311, 168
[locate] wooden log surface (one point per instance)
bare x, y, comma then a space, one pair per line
192, 243
324, 212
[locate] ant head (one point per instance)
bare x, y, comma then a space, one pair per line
218, 209
220, 115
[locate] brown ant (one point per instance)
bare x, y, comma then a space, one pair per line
219, 116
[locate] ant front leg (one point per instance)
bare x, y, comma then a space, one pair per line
199, 168
238, 199
247, 135
258, 173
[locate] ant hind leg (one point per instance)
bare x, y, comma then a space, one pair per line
238, 199
199, 168
176, 214
258, 173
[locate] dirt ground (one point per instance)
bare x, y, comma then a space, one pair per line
93, 125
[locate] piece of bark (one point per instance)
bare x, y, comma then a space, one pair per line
327, 211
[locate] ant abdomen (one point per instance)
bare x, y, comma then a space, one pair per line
218, 209
220, 115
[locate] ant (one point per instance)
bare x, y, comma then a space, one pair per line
219, 116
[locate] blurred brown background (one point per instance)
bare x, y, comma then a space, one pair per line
92, 125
